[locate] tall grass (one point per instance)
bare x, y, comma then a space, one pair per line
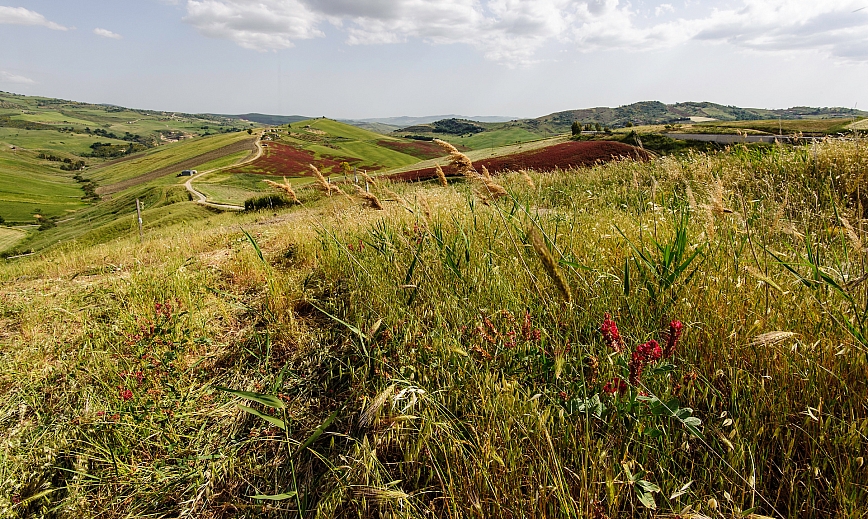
448, 361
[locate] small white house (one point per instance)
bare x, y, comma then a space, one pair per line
187, 173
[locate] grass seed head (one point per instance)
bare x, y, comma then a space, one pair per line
371, 198
440, 175
549, 263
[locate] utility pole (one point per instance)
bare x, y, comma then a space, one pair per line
139, 216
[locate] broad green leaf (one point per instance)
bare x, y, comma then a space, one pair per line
266, 400
275, 497
277, 422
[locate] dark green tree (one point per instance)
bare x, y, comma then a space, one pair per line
576, 128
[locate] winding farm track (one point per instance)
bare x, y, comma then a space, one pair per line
245, 145
202, 199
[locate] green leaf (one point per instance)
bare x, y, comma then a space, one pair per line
647, 486
647, 499
277, 422
266, 400
352, 328
255, 245
319, 430
275, 497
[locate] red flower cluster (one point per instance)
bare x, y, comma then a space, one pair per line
675, 329
645, 354
125, 394
353, 248
611, 336
615, 386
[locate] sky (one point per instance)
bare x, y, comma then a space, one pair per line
358, 59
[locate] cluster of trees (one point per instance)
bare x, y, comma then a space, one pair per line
456, 127
108, 151
127, 136
578, 127
8, 122
89, 188
67, 163
419, 137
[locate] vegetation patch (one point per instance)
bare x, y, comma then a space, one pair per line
565, 155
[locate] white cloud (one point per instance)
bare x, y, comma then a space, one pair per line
515, 30
663, 9
105, 33
22, 16
8, 77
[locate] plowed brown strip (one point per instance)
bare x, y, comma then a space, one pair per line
246, 145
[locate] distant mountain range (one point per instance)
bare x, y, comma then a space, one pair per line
645, 112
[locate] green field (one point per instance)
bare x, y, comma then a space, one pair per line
9, 237
28, 187
163, 156
784, 126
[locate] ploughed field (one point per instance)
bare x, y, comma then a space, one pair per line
565, 155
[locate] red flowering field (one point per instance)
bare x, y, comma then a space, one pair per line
422, 150
565, 155
284, 160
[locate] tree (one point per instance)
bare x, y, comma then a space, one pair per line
576, 128
249, 131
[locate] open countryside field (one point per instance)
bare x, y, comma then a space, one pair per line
786, 127
326, 144
566, 155
9, 237
633, 339
171, 160
29, 186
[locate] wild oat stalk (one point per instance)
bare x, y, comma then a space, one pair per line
371, 198
549, 263
440, 175
285, 187
527, 179
398, 198
461, 162
369, 179
323, 183
485, 174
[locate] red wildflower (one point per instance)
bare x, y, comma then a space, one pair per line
675, 329
125, 394
644, 355
616, 385
563, 395
611, 336
527, 326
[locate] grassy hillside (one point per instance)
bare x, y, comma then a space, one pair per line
45, 142
31, 186
465, 359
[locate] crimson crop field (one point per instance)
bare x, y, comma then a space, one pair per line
422, 150
283, 160
565, 155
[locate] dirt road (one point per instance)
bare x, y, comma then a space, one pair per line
202, 199
245, 145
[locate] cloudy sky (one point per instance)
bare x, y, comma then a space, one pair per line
380, 58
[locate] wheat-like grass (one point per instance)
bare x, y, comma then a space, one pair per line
527, 178
285, 187
398, 198
371, 198
460, 161
549, 263
485, 174
323, 183
369, 179
440, 175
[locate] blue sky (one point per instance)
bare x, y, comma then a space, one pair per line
381, 58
